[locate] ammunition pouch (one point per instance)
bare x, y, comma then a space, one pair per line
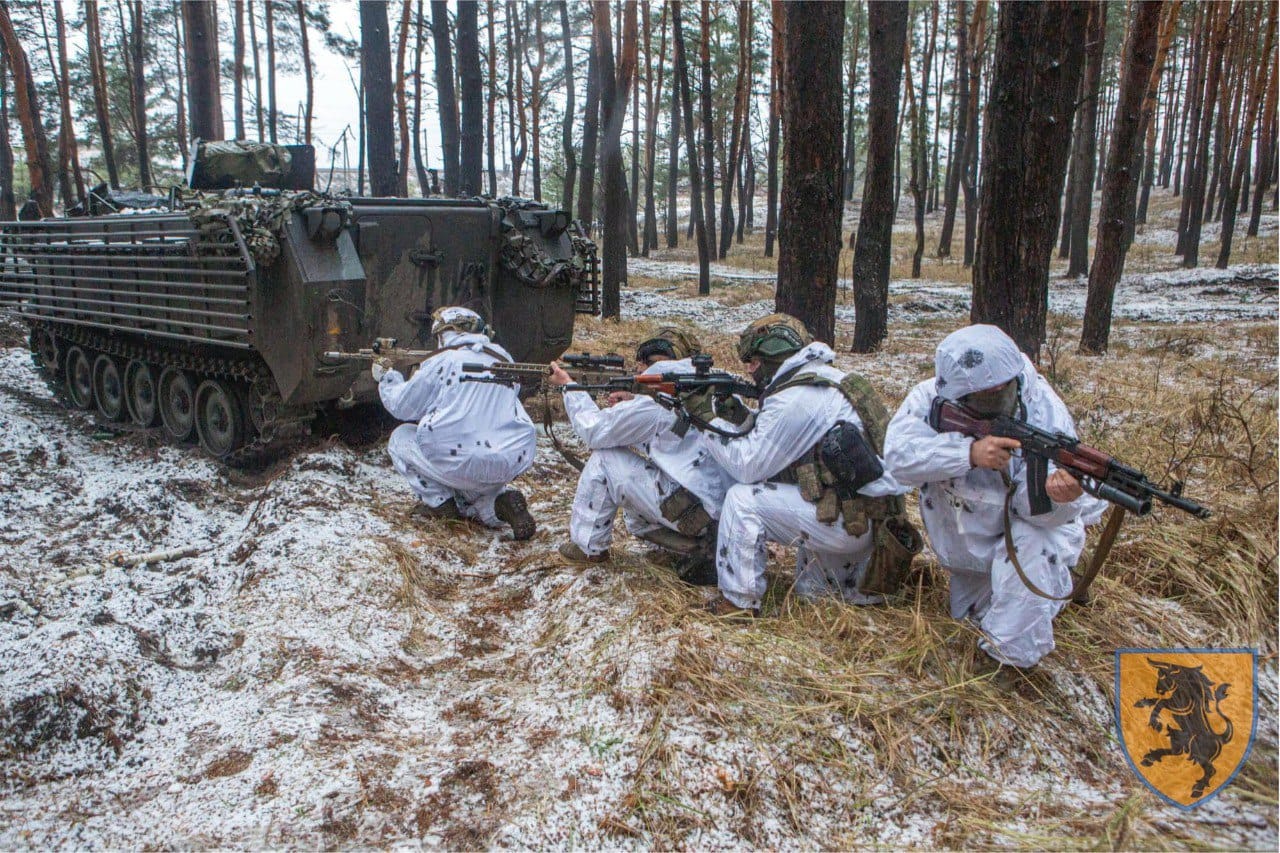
895, 543
683, 509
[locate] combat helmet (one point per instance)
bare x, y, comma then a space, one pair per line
457, 319
773, 338
670, 342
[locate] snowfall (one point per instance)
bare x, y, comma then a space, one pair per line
272, 687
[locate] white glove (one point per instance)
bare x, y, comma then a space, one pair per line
380, 367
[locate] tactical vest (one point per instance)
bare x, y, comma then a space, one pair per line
896, 540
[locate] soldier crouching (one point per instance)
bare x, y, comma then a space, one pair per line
466, 440
787, 490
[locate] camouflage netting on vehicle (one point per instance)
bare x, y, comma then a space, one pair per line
259, 216
244, 163
527, 258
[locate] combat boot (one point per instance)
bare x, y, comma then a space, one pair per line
511, 508
447, 511
723, 607
573, 554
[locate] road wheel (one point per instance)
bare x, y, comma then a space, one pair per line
177, 404
140, 393
45, 349
220, 418
79, 379
108, 388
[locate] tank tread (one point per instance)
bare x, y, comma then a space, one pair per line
279, 425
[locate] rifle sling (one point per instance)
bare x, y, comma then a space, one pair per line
1082, 583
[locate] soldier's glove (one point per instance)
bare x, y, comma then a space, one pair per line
380, 367
700, 404
732, 410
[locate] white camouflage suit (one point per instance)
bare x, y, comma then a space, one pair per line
963, 506
828, 560
636, 462
466, 440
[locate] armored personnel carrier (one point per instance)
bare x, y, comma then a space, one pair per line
208, 313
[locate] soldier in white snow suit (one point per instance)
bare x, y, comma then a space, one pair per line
465, 441
667, 486
800, 402
963, 490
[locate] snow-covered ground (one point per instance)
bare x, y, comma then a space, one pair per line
329, 671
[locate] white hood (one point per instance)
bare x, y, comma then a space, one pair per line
815, 353
975, 358
453, 338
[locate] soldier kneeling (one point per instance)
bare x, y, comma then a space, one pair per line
466, 440
668, 488
809, 473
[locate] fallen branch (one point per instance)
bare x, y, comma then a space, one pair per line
124, 561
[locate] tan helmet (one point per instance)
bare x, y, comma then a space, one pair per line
671, 342
457, 319
773, 338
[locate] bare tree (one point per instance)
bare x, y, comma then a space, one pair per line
590, 132
1037, 70
886, 38
402, 100
139, 90
257, 77
1084, 150
672, 224
809, 242
1266, 152
778, 18
958, 152
98, 77
737, 138
1219, 21
614, 91
34, 140
969, 175
691, 151
424, 180
491, 147
237, 70
445, 95
708, 130
68, 134
566, 127
472, 128
272, 113
375, 75
306, 72
1108, 258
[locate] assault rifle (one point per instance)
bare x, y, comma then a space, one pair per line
1101, 475
587, 367
675, 385
384, 348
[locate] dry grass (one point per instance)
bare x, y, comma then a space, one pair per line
822, 701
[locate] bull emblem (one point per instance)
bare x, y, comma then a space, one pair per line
1186, 693
1178, 712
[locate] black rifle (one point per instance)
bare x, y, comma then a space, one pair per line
1100, 474
584, 365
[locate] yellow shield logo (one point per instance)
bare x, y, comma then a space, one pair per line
1186, 718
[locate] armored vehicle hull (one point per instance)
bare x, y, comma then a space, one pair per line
210, 320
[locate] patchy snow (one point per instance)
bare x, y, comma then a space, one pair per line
282, 689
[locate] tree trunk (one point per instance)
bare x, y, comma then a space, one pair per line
809, 242
273, 114
566, 128
1195, 197
491, 147
237, 70
633, 194
691, 152
1037, 73
778, 11
969, 177
1144, 164
1232, 195
424, 181
98, 77
516, 32
673, 154
446, 95
1085, 163
613, 110
35, 143
1126, 136
204, 100
734, 162
887, 39
958, 152
257, 75
1266, 149
69, 132
307, 73
590, 132
8, 200
136, 45
375, 75
653, 98
919, 152
850, 142
402, 100
472, 129
534, 109
1203, 37
708, 131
